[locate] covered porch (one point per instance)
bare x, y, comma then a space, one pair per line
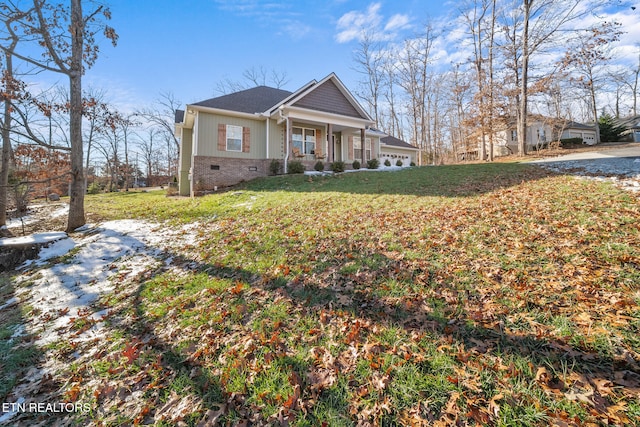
311, 136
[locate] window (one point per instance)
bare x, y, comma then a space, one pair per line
357, 148
514, 135
234, 138
304, 140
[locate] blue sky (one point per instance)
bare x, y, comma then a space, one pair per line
186, 47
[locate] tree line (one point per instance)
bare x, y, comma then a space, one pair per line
520, 57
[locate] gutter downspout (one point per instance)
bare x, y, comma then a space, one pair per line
286, 153
268, 132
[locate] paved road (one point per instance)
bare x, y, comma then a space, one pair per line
621, 165
623, 162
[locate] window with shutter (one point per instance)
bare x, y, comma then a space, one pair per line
234, 138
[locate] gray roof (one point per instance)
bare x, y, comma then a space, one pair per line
575, 125
395, 142
631, 122
254, 100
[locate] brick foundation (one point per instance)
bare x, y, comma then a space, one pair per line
210, 172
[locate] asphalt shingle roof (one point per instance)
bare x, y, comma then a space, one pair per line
395, 142
254, 100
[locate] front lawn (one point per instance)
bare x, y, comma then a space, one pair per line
490, 294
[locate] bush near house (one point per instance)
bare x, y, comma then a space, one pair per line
571, 141
373, 164
356, 164
387, 163
275, 167
295, 167
337, 167
319, 166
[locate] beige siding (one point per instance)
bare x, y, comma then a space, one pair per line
276, 140
185, 161
207, 144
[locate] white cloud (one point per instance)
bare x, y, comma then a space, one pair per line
354, 24
397, 22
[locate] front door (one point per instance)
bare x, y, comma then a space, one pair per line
337, 147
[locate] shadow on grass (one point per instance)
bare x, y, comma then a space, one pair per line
172, 373
351, 293
20, 358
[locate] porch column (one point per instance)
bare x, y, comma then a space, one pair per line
330, 143
363, 146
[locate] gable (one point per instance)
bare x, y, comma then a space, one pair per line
328, 98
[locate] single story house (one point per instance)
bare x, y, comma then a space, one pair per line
571, 129
541, 131
235, 137
631, 125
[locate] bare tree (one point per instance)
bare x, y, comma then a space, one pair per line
8, 93
253, 77
162, 116
413, 77
541, 21
67, 38
369, 62
587, 56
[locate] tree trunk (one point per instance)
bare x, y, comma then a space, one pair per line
76, 196
522, 122
6, 154
6, 138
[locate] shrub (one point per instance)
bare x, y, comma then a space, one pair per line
94, 188
373, 164
295, 166
319, 166
399, 162
412, 164
356, 164
274, 167
387, 162
337, 167
571, 141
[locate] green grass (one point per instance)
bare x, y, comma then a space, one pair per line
17, 353
391, 298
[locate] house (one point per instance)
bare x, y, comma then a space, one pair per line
570, 129
631, 125
541, 131
236, 137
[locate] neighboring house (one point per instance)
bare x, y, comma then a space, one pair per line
541, 131
570, 129
235, 137
632, 127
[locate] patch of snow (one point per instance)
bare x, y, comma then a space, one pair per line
18, 222
125, 247
62, 211
38, 238
9, 303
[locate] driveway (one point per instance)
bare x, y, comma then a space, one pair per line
620, 164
